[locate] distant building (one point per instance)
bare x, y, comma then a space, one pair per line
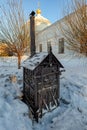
51, 35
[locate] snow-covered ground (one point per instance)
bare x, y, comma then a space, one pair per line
70, 115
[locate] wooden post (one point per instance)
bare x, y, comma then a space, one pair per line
32, 33
23, 83
58, 87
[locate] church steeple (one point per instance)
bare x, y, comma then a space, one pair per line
38, 11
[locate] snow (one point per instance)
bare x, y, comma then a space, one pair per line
33, 62
70, 115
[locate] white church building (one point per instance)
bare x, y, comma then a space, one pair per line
48, 34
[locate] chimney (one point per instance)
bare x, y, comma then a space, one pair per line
32, 34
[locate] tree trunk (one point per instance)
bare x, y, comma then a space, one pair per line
19, 61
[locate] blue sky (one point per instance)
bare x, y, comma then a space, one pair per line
51, 9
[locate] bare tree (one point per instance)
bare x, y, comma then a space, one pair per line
13, 30
74, 26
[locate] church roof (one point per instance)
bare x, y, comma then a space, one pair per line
41, 22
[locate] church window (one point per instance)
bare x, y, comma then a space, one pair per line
61, 45
40, 47
48, 45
